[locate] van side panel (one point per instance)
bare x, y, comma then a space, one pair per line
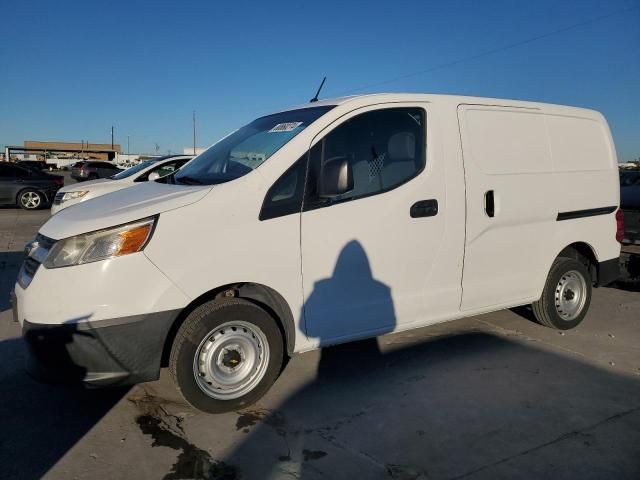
549, 168
506, 155
586, 178
586, 174
578, 144
507, 141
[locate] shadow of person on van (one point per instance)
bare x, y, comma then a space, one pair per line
327, 317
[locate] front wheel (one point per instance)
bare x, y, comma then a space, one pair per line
566, 295
30, 199
226, 355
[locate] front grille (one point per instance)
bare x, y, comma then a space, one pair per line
58, 198
45, 242
30, 265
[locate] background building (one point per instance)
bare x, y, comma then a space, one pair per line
37, 150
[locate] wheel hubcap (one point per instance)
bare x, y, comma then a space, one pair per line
30, 200
231, 360
570, 295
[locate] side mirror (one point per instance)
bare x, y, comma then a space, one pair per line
153, 176
336, 178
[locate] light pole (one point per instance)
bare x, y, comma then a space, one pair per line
128, 151
194, 132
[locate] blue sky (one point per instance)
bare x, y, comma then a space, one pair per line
70, 70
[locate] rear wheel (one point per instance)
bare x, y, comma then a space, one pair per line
226, 355
30, 199
566, 295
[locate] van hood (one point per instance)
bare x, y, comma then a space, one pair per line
120, 207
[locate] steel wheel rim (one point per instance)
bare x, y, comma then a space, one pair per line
30, 200
231, 360
570, 295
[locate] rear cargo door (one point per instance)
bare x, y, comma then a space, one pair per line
510, 213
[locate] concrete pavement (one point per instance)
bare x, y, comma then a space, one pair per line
489, 397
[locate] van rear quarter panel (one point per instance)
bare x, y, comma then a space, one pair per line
585, 177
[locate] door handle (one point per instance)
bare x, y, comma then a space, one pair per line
489, 204
424, 208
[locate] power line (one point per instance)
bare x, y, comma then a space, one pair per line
490, 52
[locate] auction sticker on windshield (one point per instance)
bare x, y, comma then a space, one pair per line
285, 127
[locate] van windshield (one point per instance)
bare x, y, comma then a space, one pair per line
247, 148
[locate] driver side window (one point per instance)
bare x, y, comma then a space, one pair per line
385, 148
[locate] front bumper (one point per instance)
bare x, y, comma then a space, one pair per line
113, 352
103, 323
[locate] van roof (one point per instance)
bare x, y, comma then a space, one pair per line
373, 98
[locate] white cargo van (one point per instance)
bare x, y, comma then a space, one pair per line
326, 223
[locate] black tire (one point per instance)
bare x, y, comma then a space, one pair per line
549, 309
200, 324
30, 199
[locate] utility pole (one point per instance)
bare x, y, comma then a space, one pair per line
194, 132
128, 151
111, 137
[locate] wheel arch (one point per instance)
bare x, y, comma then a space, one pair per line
264, 296
584, 253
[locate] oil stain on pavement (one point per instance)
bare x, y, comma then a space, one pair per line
166, 430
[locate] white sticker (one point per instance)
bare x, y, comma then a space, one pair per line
285, 127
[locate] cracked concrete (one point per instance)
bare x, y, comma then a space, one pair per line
487, 397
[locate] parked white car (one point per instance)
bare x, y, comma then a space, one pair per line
151, 169
330, 222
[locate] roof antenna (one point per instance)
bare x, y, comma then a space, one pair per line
315, 99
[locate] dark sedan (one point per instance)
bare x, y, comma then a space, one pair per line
27, 187
38, 165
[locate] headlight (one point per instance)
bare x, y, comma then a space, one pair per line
100, 245
74, 195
